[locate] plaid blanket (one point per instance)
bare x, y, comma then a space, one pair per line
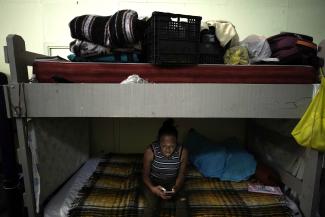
115, 190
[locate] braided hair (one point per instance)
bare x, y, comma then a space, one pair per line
168, 128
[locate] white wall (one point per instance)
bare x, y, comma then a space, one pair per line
45, 22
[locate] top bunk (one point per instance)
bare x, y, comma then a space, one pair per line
47, 71
200, 91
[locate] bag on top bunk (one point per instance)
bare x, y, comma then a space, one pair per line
225, 32
258, 49
294, 49
237, 56
310, 131
211, 51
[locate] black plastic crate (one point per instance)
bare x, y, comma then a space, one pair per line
172, 39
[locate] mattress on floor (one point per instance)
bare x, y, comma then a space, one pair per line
114, 189
78, 72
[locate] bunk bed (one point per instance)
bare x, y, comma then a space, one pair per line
221, 98
78, 72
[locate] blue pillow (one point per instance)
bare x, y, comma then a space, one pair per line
209, 158
239, 166
211, 163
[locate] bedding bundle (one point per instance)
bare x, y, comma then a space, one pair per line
118, 34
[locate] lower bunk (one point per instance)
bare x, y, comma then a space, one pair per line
112, 186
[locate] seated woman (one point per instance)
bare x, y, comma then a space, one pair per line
164, 167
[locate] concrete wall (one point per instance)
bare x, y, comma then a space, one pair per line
134, 135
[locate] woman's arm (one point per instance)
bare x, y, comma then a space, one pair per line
182, 171
147, 160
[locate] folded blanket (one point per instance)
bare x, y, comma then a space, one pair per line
123, 29
134, 57
88, 49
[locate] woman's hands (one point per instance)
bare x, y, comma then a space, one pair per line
175, 188
159, 191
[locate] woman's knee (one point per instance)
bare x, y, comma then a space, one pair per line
151, 200
181, 207
181, 202
182, 199
152, 204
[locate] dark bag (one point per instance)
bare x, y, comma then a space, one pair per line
211, 52
294, 49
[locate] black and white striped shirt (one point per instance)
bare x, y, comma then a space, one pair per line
165, 168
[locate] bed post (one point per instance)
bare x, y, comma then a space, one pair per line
311, 181
15, 54
18, 58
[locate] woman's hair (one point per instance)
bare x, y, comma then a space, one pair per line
168, 128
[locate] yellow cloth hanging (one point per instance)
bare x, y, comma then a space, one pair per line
310, 131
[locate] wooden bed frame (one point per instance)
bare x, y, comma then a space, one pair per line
34, 100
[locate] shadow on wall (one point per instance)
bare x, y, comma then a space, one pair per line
133, 135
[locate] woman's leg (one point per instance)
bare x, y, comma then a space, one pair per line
151, 208
181, 204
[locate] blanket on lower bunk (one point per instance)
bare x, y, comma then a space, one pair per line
115, 190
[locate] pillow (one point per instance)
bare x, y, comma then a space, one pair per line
208, 157
212, 163
229, 162
240, 165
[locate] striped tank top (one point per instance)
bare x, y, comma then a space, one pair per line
165, 168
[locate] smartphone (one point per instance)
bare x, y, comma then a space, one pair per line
169, 192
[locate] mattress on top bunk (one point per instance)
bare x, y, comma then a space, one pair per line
114, 189
78, 72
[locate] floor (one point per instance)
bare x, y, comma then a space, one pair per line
3, 212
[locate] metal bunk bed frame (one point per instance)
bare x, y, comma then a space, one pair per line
33, 100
